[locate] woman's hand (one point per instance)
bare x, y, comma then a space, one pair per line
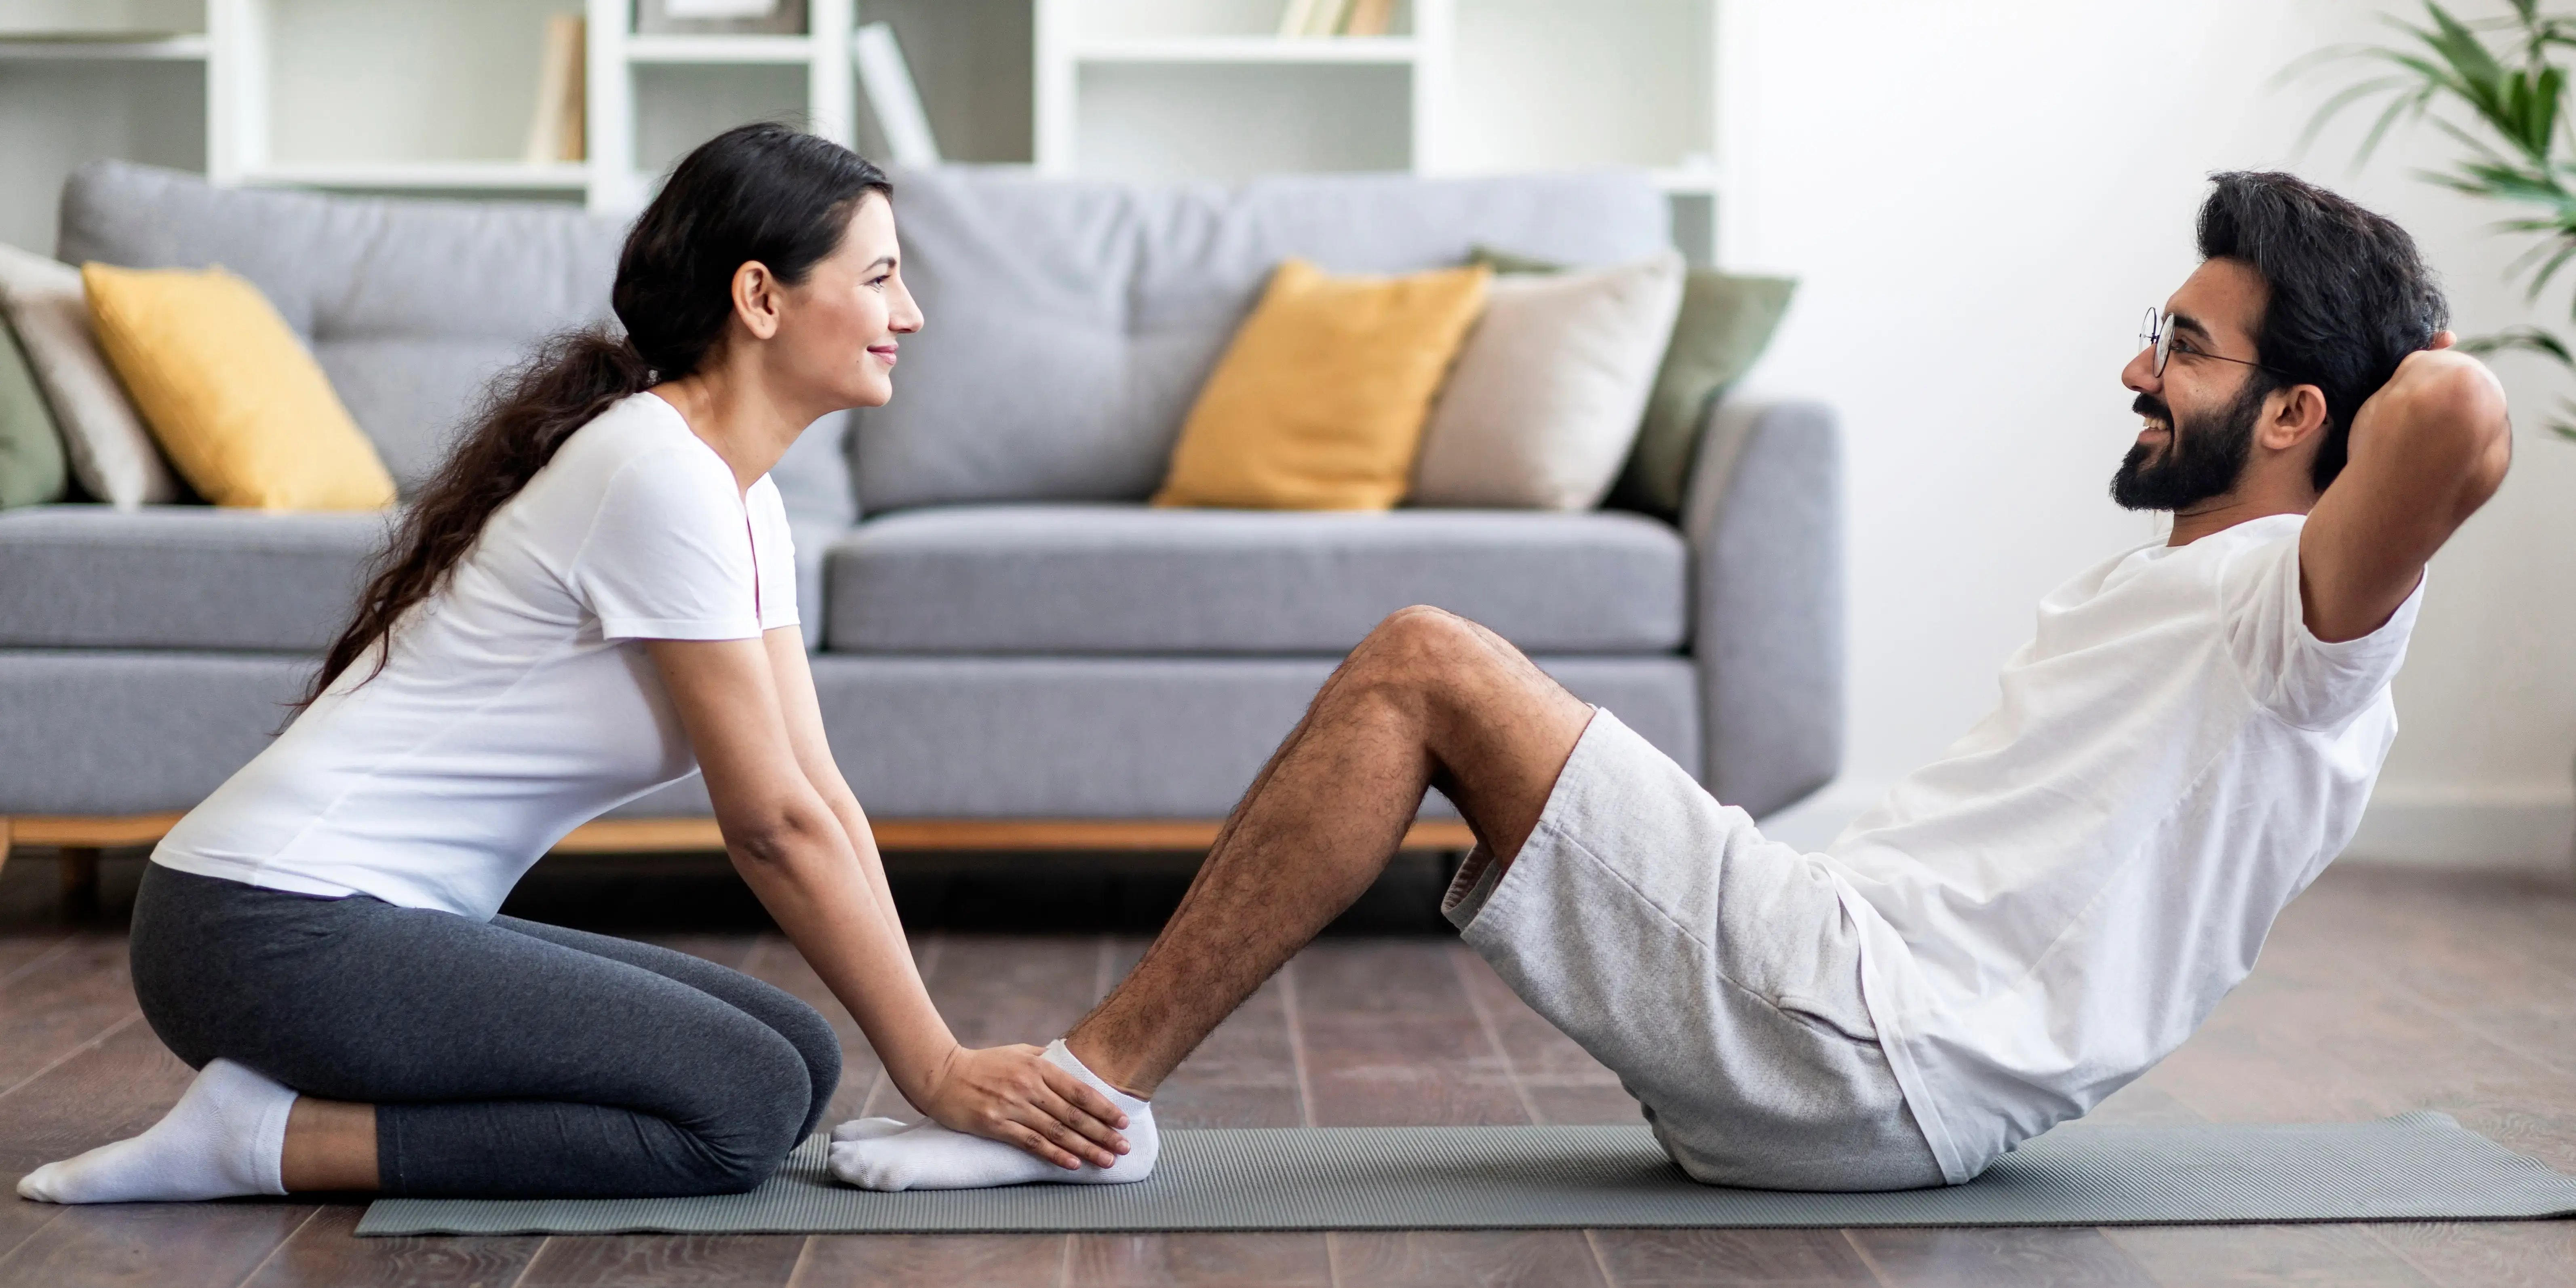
1013, 1095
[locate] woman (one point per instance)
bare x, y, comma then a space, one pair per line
595, 592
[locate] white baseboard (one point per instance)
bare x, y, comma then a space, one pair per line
2528, 828
2531, 829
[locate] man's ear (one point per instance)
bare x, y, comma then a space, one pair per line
755, 299
2292, 416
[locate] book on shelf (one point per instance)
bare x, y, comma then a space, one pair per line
1336, 17
892, 97
1369, 18
556, 127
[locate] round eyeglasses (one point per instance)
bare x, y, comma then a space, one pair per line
2157, 333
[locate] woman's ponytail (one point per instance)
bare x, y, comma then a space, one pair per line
756, 192
525, 418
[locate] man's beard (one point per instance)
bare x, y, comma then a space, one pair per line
2201, 460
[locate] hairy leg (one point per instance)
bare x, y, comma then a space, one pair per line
1429, 699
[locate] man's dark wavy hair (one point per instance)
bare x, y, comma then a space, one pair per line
2349, 296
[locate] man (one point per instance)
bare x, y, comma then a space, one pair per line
2020, 928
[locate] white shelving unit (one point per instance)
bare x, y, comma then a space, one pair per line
435, 95
1206, 89
620, 59
1155, 89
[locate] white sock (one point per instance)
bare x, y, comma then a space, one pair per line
224, 1138
882, 1154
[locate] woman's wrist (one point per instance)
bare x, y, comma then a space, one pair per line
928, 1076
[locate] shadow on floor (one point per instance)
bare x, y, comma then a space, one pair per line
1117, 893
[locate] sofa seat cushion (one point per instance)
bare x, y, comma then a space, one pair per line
186, 577
1131, 580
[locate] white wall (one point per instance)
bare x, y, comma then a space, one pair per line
1982, 197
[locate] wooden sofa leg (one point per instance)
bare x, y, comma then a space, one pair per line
80, 881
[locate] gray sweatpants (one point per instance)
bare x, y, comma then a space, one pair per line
505, 1059
1715, 972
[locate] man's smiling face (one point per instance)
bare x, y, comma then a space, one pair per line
2201, 412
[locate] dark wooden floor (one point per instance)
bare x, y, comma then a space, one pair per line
2382, 991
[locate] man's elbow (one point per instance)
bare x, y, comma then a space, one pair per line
2474, 434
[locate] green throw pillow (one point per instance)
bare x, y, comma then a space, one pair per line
31, 449
1725, 323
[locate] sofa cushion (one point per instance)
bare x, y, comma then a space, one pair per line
1127, 579
1071, 323
410, 306
234, 399
192, 577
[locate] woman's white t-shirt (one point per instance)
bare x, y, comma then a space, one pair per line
2058, 901
517, 702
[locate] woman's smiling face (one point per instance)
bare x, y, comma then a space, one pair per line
837, 328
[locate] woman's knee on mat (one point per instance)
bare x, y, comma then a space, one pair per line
806, 1030
751, 1106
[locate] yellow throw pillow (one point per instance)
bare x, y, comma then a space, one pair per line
237, 403
1320, 400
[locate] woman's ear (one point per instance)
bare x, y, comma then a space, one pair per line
755, 299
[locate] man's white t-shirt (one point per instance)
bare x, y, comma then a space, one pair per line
2059, 900
517, 702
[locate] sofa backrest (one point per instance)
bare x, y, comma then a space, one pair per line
410, 306
1070, 323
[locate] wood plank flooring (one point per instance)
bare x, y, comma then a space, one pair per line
2382, 991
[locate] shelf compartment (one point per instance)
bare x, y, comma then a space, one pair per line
1161, 122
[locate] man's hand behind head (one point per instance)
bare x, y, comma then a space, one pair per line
2428, 448
2443, 412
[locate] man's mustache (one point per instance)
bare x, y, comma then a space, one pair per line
2152, 407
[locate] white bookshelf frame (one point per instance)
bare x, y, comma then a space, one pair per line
235, 48
1062, 53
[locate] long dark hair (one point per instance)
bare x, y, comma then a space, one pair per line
756, 192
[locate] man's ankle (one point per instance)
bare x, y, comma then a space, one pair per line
1108, 1064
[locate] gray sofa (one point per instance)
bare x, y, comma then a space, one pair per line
1009, 633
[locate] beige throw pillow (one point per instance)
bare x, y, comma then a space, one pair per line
1545, 399
111, 453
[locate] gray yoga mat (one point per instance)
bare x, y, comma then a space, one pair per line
2417, 1167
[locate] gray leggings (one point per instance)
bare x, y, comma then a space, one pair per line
505, 1059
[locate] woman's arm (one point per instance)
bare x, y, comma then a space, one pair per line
802, 710
806, 862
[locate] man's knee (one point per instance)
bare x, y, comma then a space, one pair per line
1422, 645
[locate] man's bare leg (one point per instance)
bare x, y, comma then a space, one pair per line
1429, 699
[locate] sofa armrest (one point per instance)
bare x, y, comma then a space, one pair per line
1763, 515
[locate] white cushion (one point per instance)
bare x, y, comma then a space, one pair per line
111, 453
1547, 392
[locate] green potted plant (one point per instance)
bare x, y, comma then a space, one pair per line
2498, 88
